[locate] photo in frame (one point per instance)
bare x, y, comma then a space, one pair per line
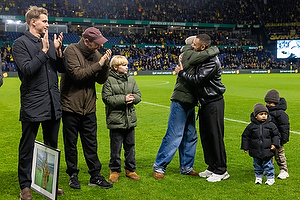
45, 169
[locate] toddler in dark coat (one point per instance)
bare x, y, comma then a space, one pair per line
277, 106
261, 138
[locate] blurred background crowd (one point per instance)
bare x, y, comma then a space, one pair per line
276, 17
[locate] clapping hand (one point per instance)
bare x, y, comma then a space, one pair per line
58, 43
45, 42
105, 58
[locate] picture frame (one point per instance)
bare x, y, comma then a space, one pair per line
45, 170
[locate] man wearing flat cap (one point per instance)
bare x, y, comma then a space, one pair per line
85, 67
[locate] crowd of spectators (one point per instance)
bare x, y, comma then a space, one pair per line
240, 58
160, 58
201, 11
3, 36
263, 12
231, 58
166, 58
279, 11
7, 62
279, 16
247, 12
178, 38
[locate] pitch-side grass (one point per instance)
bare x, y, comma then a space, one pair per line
243, 91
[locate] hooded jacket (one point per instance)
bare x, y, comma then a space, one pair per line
281, 119
259, 136
184, 92
78, 93
119, 114
40, 98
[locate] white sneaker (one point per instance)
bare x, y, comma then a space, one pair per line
217, 177
258, 180
205, 174
283, 174
270, 181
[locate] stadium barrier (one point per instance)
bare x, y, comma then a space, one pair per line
170, 72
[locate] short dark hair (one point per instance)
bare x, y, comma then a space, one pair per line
204, 39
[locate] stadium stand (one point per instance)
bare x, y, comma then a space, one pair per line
273, 17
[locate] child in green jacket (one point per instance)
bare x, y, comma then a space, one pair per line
120, 93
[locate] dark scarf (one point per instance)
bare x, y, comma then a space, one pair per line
86, 52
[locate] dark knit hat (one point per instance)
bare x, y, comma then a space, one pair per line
259, 107
272, 96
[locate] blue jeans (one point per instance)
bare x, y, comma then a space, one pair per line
261, 165
181, 134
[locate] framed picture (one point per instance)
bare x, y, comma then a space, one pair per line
45, 168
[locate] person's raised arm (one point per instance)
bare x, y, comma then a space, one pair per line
199, 57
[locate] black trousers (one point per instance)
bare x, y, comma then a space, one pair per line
117, 138
29, 131
211, 125
86, 125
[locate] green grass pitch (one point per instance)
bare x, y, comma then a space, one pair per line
242, 92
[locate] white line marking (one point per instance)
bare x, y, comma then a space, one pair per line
154, 104
167, 82
164, 83
233, 120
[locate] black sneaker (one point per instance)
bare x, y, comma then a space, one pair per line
74, 182
99, 181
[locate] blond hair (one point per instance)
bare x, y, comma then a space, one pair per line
34, 12
118, 60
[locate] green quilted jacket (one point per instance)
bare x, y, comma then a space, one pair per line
120, 115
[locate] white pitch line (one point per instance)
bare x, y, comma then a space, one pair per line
233, 120
164, 83
295, 132
154, 104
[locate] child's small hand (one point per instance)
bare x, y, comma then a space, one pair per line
245, 151
273, 147
129, 98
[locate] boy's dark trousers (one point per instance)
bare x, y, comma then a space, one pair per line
117, 138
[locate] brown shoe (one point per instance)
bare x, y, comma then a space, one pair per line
131, 175
25, 194
158, 175
60, 191
193, 173
114, 176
